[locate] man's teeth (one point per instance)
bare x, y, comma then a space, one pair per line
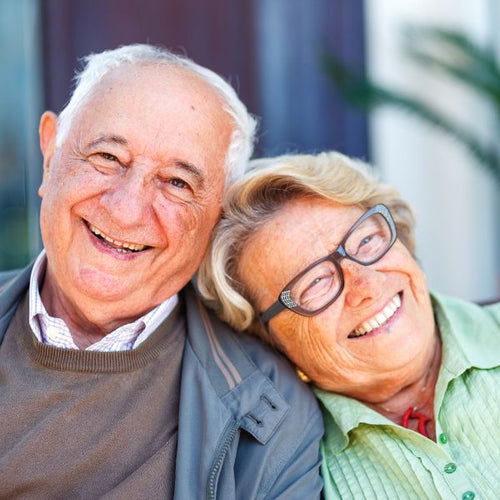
120, 246
379, 319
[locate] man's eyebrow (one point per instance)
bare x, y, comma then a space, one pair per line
193, 169
117, 139
107, 139
189, 166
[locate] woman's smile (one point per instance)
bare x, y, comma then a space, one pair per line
380, 319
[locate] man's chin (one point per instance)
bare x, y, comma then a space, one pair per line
97, 286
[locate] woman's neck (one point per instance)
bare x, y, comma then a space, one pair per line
413, 405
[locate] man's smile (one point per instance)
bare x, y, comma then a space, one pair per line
119, 246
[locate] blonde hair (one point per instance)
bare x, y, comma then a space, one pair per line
253, 200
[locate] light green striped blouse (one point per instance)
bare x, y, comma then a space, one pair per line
367, 456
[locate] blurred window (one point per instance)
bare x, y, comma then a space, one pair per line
20, 162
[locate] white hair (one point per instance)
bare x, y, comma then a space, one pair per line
96, 66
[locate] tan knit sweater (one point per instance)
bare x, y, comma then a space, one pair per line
86, 425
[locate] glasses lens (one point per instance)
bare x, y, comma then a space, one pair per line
370, 240
316, 287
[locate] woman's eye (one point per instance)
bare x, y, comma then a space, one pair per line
315, 282
316, 288
368, 245
365, 240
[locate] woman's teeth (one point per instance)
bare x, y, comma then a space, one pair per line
120, 246
379, 319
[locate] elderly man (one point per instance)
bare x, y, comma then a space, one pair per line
115, 381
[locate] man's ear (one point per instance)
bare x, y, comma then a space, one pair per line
48, 133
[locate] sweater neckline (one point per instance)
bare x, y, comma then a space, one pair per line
94, 361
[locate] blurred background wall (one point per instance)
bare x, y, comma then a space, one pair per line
457, 202
271, 51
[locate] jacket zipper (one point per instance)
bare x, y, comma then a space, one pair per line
211, 486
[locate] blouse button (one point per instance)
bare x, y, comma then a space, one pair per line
443, 438
468, 495
450, 468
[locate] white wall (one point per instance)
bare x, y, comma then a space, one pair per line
456, 202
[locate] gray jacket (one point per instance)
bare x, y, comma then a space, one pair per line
248, 428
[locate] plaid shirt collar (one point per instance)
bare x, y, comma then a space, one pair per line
54, 331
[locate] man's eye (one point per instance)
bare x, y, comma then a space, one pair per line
108, 156
179, 183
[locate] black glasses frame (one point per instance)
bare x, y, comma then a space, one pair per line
286, 302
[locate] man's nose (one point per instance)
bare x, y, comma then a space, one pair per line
129, 200
363, 284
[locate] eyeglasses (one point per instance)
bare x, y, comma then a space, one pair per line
321, 283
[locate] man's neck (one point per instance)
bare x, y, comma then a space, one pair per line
86, 328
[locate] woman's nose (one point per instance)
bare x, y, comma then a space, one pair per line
362, 284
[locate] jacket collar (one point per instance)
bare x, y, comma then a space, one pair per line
243, 389
13, 286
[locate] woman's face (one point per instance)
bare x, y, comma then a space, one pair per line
372, 366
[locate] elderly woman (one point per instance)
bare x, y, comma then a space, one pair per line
316, 257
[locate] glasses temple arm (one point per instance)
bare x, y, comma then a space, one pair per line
272, 311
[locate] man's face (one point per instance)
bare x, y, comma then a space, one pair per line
130, 197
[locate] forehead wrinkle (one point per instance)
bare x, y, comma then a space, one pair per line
108, 139
271, 234
311, 227
319, 227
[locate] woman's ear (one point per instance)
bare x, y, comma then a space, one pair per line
48, 133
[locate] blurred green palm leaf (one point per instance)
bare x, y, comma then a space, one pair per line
439, 50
